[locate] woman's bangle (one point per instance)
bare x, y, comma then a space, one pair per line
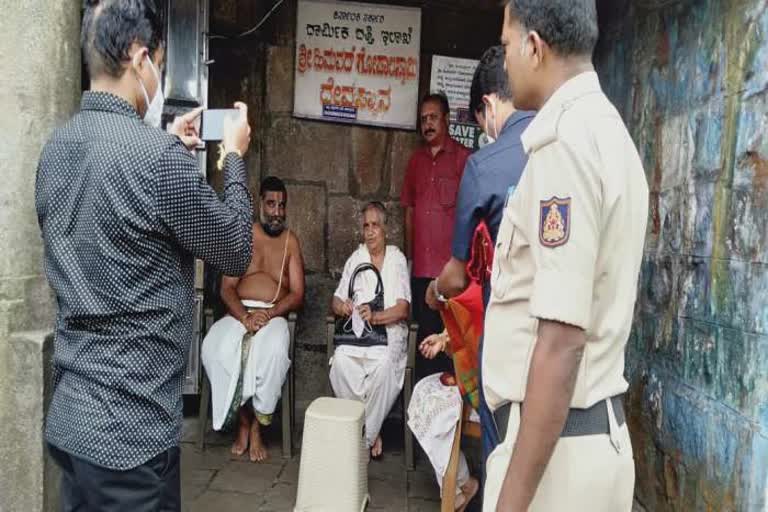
440, 297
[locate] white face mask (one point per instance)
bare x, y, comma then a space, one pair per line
154, 112
487, 138
358, 324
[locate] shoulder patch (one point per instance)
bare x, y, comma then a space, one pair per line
555, 222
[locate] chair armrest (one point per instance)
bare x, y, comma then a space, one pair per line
413, 330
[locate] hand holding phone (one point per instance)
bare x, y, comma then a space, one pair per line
186, 128
237, 131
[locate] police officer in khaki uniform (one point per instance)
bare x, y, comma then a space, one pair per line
564, 277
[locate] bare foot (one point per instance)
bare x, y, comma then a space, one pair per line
468, 491
258, 452
241, 442
376, 449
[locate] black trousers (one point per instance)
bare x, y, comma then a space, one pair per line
155, 486
429, 323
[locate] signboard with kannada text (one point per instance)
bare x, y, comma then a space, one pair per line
357, 63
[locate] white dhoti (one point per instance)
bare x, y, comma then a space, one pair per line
368, 376
263, 370
433, 413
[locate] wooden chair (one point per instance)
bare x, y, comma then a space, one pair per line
287, 399
408, 384
466, 428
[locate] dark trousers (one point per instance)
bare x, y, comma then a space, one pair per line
429, 322
155, 486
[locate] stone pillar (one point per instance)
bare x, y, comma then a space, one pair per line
39, 88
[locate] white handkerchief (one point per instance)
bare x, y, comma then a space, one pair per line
358, 324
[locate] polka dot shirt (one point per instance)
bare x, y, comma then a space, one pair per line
124, 210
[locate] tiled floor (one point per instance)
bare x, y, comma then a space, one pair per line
215, 481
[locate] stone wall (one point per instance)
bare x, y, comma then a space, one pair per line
331, 169
39, 88
691, 81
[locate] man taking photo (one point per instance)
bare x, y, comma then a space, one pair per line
124, 211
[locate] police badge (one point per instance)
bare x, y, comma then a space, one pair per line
555, 222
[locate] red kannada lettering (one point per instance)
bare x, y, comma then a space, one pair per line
377, 102
330, 60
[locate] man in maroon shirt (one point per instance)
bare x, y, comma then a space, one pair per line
429, 198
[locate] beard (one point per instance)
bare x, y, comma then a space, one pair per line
273, 225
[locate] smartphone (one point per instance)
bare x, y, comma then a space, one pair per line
212, 123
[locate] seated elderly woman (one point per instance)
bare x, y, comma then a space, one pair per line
372, 373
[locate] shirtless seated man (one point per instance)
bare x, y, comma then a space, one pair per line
245, 354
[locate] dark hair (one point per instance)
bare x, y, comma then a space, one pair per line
378, 206
490, 77
109, 29
439, 98
272, 184
568, 26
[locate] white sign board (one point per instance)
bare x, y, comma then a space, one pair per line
357, 63
453, 77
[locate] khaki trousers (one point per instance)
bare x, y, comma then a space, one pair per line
585, 474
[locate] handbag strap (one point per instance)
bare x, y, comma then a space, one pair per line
362, 268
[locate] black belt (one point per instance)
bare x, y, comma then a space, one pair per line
580, 422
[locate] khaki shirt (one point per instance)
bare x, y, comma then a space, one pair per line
570, 245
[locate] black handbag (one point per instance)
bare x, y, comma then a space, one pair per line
373, 335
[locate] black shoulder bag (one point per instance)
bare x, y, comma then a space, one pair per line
373, 335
